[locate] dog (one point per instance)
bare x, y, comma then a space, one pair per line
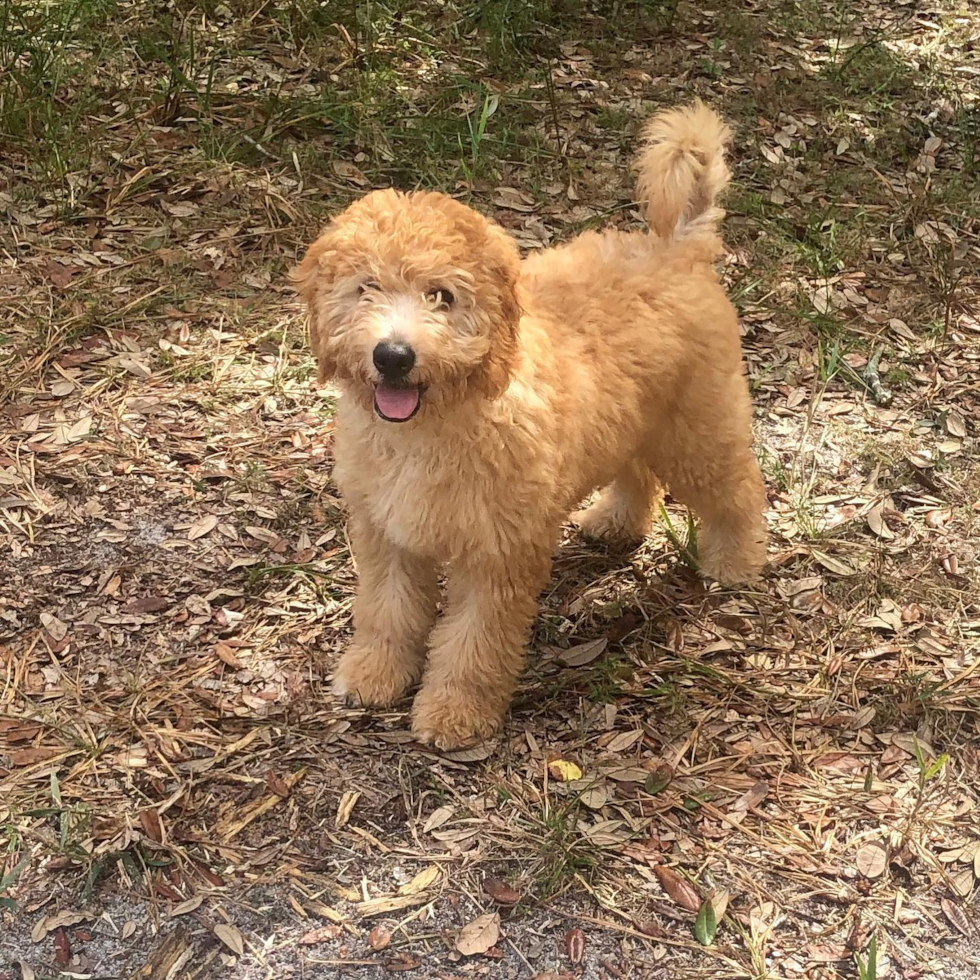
483, 397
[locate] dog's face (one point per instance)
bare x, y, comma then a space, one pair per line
412, 300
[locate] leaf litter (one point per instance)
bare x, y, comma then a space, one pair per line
176, 579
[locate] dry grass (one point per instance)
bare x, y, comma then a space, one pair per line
179, 795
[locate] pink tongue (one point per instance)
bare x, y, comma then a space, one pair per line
396, 403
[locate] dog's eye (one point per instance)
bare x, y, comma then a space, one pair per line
441, 297
365, 286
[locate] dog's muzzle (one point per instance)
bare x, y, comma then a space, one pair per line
396, 399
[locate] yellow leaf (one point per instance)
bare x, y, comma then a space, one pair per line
564, 771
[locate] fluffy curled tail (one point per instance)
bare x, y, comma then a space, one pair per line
682, 170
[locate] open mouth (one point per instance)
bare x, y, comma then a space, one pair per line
397, 402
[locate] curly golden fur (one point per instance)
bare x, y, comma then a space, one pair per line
612, 361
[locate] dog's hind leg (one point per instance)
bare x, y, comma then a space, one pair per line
718, 476
623, 511
394, 610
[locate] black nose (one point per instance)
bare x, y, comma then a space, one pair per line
393, 359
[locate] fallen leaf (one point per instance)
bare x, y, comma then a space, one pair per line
877, 524
584, 653
150, 603
277, 784
349, 172
753, 796
400, 963
60, 920
681, 891
833, 564
231, 937
379, 937
575, 945
564, 771
56, 629
706, 925
501, 892
955, 915
202, 527
962, 884
28, 757
475, 753
479, 935
321, 934
437, 818
624, 740
62, 948
594, 796
658, 780
226, 655
955, 425
183, 907
152, 827
871, 860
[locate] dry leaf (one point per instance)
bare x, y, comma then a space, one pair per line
955, 425
575, 945
349, 172
184, 907
151, 824
955, 915
202, 527
437, 818
962, 884
564, 771
479, 935
584, 653
501, 892
55, 628
231, 937
379, 937
594, 796
475, 753
871, 860
680, 890
321, 934
226, 655
624, 741
877, 524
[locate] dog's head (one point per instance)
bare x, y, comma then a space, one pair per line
412, 298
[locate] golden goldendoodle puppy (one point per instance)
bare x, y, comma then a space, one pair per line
484, 397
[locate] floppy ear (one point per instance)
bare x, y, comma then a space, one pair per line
311, 277
501, 303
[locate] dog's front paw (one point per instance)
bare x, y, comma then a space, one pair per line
368, 675
453, 720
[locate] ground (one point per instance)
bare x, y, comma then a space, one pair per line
774, 782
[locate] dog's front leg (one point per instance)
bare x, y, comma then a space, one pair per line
394, 610
477, 649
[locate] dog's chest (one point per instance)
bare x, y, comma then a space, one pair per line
440, 498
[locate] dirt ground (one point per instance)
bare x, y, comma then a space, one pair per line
694, 782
